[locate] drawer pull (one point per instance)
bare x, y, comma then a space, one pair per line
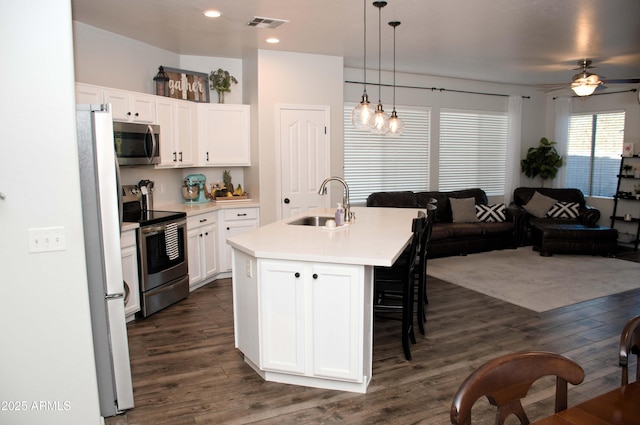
242, 215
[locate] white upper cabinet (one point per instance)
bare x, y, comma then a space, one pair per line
177, 121
191, 134
223, 135
131, 107
86, 93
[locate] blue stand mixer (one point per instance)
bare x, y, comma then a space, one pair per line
194, 189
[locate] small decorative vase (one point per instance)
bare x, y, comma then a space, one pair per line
220, 97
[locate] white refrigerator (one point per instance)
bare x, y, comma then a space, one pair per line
101, 206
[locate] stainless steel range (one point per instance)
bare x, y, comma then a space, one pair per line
162, 249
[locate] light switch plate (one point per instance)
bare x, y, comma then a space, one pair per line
47, 239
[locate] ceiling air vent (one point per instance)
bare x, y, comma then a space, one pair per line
260, 22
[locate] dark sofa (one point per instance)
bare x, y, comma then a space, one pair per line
560, 221
459, 238
587, 216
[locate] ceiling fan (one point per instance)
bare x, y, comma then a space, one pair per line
585, 83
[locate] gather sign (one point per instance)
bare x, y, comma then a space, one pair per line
187, 85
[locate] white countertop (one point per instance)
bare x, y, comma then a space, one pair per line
129, 226
195, 209
376, 237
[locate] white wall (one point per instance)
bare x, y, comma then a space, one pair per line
292, 78
47, 351
108, 59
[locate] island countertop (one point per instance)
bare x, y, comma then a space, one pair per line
376, 237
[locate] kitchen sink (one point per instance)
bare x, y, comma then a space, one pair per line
311, 221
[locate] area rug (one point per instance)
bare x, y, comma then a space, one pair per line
522, 277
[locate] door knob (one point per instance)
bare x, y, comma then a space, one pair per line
287, 200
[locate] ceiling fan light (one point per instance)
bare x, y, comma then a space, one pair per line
583, 89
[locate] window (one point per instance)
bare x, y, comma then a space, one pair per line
593, 152
473, 151
374, 163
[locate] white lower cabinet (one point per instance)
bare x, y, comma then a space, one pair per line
311, 319
233, 221
130, 273
202, 248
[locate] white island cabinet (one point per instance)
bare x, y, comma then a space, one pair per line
303, 296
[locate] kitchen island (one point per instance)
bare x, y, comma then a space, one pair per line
303, 296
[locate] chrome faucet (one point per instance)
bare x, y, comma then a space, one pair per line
345, 197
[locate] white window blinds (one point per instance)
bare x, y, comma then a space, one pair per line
375, 163
473, 149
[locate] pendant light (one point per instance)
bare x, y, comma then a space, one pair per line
362, 114
396, 125
380, 118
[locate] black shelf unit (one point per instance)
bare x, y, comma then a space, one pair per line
625, 192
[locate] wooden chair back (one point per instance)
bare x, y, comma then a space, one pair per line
505, 380
630, 344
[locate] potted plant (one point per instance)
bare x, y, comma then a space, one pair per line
542, 161
626, 168
221, 82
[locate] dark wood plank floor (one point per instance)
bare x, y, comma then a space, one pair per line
187, 371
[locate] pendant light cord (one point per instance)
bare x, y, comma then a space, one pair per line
394, 25
365, 44
382, 4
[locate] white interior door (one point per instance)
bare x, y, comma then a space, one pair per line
304, 158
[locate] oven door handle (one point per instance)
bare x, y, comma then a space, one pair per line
149, 230
153, 230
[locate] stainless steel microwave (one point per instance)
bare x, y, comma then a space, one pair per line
136, 144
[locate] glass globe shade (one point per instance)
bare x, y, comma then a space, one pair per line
362, 114
380, 121
396, 125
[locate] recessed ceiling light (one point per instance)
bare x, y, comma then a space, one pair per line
272, 40
212, 13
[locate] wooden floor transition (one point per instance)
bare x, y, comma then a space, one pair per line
186, 370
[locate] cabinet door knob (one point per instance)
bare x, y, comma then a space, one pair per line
287, 200
315, 276
297, 274
129, 113
137, 114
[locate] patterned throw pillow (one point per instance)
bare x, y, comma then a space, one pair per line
564, 210
491, 213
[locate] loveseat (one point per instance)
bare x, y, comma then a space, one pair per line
537, 213
457, 230
560, 221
